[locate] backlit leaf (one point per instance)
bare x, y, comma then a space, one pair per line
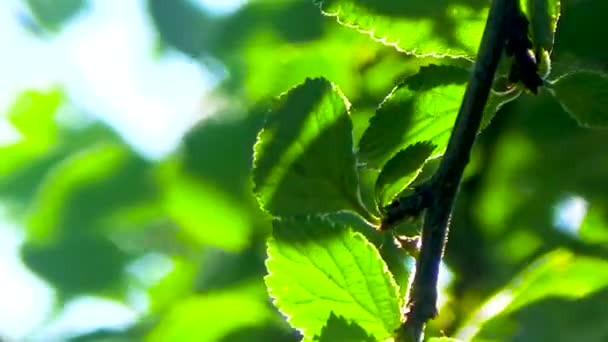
304, 161
422, 108
422, 27
401, 170
559, 274
584, 95
316, 268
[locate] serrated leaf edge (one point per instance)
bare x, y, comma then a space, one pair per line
384, 40
564, 107
364, 212
277, 302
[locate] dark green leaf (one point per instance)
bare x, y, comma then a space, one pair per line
584, 95
401, 170
543, 16
52, 14
495, 101
304, 161
77, 264
316, 267
339, 329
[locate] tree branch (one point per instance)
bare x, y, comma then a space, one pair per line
422, 300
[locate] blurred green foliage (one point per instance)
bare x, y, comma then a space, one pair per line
90, 206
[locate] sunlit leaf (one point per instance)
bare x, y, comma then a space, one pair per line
206, 215
304, 161
175, 285
443, 339
594, 227
32, 115
584, 95
339, 329
210, 317
422, 108
401, 170
421, 27
559, 274
316, 267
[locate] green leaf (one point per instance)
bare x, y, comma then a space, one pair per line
442, 339
210, 317
543, 15
33, 114
316, 267
53, 14
584, 95
594, 228
206, 215
339, 329
401, 170
422, 108
495, 101
304, 161
421, 27
559, 274
77, 264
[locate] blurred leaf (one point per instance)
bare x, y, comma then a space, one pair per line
224, 163
401, 170
29, 161
304, 161
442, 339
576, 44
439, 27
53, 13
175, 285
181, 24
557, 274
32, 114
274, 66
543, 15
317, 267
422, 108
594, 227
339, 329
135, 332
206, 215
584, 95
77, 264
210, 317
74, 194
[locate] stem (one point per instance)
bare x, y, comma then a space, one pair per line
422, 300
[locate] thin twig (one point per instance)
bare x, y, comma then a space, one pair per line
422, 300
